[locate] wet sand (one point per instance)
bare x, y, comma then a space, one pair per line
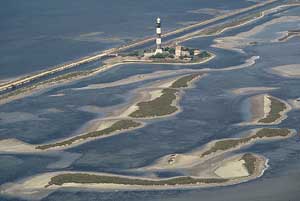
147, 93
36, 187
251, 90
193, 158
290, 71
260, 108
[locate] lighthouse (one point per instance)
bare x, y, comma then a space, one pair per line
158, 36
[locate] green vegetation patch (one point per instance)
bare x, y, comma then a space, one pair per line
83, 178
228, 144
158, 107
276, 108
136, 53
117, 126
171, 50
250, 162
184, 81
271, 132
162, 55
204, 54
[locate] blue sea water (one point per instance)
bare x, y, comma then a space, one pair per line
209, 111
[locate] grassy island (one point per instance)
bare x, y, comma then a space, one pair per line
227, 144
169, 54
83, 178
276, 108
184, 81
117, 126
163, 105
158, 107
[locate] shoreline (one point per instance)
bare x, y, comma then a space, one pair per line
11, 145
196, 157
34, 89
262, 110
38, 185
242, 39
124, 47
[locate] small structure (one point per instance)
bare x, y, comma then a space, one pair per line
197, 52
185, 53
178, 51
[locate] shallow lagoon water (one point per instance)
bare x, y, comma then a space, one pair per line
57, 32
209, 112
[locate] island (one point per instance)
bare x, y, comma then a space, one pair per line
168, 55
46, 183
258, 135
164, 104
118, 126
216, 150
267, 109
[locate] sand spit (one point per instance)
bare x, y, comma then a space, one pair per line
134, 79
267, 110
31, 90
233, 169
213, 151
244, 39
16, 146
146, 94
234, 41
290, 71
251, 90
160, 74
57, 95
287, 35
202, 33
37, 187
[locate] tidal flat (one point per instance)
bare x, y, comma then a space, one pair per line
208, 112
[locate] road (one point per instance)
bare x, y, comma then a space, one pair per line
174, 34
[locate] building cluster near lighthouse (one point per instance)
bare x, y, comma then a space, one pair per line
178, 52
173, 53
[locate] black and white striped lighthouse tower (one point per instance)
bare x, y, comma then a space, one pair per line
158, 38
